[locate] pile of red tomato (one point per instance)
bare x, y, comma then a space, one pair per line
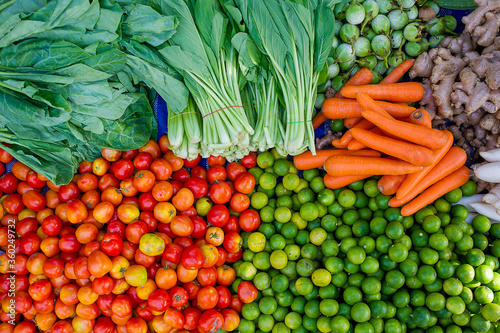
122, 247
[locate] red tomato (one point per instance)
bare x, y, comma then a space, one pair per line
183, 241
143, 161
192, 163
144, 312
181, 175
30, 243
103, 285
190, 212
192, 317
220, 193
149, 219
224, 297
234, 169
68, 192
210, 321
249, 220
232, 242
104, 325
200, 227
5, 157
236, 303
173, 253
53, 267
192, 258
198, 186
117, 227
13, 203
218, 216
192, 289
247, 292
8, 183
244, 183
135, 230
234, 257
108, 180
87, 182
164, 143
122, 306
222, 256
123, 169
176, 186
178, 296
232, 225
216, 173
151, 147
161, 168
159, 300
26, 225
207, 276
129, 154
199, 172
33, 180
99, 264
69, 243
250, 160
112, 244
147, 202
216, 160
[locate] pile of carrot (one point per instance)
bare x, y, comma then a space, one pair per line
389, 138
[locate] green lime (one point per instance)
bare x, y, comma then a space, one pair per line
265, 323
339, 324
304, 285
262, 260
265, 160
293, 320
431, 224
347, 198
329, 307
281, 166
398, 253
481, 224
360, 312
278, 259
491, 312
309, 211
262, 281
479, 324
454, 196
317, 236
468, 188
247, 271
321, 277
250, 311
484, 274
256, 242
483, 295
394, 230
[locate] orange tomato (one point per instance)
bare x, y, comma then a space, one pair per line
104, 212
99, 264
166, 278
45, 321
76, 211
164, 212
127, 187
128, 213
111, 155
176, 162
86, 295
215, 236
225, 275
183, 199
86, 233
151, 147
186, 275
20, 170
181, 225
112, 195
146, 289
119, 265
100, 166
91, 199
210, 255
162, 191
144, 181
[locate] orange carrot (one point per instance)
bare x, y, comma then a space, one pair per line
337, 182
412, 180
445, 185
339, 108
351, 122
363, 165
307, 160
405, 151
367, 103
389, 185
398, 72
394, 92
428, 137
421, 117
344, 140
356, 145
363, 76
451, 162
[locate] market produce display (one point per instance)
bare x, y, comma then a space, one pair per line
237, 218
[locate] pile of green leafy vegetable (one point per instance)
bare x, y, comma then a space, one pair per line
67, 87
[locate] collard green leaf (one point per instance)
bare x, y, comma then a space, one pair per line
144, 24
325, 26
169, 87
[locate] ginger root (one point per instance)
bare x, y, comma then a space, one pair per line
471, 92
483, 23
442, 78
427, 102
325, 141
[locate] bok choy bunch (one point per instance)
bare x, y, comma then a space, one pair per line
202, 53
296, 38
184, 132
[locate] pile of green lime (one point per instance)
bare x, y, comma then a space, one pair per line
344, 261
